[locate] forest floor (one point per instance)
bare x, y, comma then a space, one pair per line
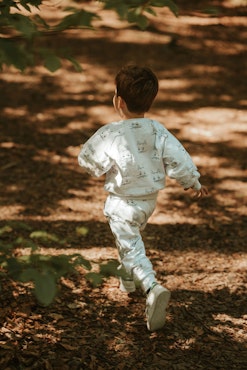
197, 248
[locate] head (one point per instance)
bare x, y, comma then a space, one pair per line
138, 87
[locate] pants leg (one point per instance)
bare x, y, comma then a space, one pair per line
126, 219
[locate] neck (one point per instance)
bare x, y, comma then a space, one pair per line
126, 114
133, 115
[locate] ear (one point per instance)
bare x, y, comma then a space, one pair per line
121, 103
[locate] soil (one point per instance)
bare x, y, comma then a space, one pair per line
198, 248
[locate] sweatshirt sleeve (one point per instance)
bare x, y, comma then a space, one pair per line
93, 156
179, 165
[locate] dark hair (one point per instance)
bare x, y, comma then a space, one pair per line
137, 86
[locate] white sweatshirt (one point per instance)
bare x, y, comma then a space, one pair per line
136, 155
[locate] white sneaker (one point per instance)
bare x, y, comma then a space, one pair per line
127, 286
156, 303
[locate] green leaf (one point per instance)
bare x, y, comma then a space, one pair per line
61, 265
14, 267
26, 243
139, 19
19, 225
35, 3
25, 5
5, 249
168, 3
77, 67
26, 258
6, 7
78, 260
122, 11
79, 18
28, 275
40, 22
44, 235
23, 24
45, 288
211, 11
52, 62
94, 278
5, 229
14, 54
118, 5
110, 268
142, 22
150, 11
82, 230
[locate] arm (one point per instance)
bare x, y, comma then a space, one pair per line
179, 166
93, 156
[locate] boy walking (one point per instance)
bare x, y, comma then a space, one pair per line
136, 154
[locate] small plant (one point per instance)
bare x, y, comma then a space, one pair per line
44, 271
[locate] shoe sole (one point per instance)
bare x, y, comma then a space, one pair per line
158, 316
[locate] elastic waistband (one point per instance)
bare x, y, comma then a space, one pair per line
137, 197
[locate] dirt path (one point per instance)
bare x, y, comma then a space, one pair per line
198, 249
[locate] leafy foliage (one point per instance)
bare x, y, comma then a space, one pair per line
44, 271
20, 27
136, 11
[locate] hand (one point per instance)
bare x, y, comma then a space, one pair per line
203, 192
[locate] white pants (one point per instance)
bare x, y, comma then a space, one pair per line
127, 217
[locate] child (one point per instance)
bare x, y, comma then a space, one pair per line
136, 154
